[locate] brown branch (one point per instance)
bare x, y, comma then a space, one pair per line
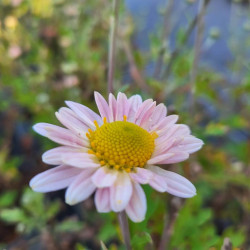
165, 34
175, 206
123, 221
227, 245
133, 69
197, 51
112, 45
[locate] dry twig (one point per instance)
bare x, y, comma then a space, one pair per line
133, 69
227, 245
112, 45
175, 205
165, 34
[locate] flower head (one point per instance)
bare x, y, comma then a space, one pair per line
112, 154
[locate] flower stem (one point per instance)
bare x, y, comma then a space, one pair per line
123, 221
112, 45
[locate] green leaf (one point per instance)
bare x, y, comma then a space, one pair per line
216, 129
13, 215
8, 198
204, 216
33, 202
107, 231
80, 247
69, 225
52, 209
140, 240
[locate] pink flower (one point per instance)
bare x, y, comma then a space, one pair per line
112, 154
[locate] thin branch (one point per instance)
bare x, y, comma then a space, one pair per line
197, 50
175, 206
227, 245
166, 31
112, 45
165, 74
187, 34
123, 221
133, 69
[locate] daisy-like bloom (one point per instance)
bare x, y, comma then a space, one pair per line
111, 154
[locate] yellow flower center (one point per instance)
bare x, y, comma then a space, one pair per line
121, 145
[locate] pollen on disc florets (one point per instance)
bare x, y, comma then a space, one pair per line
121, 145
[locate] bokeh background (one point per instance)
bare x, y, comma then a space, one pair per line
194, 56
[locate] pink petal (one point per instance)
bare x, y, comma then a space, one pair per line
102, 106
175, 131
80, 160
120, 192
122, 106
54, 179
158, 183
85, 114
159, 113
177, 157
41, 128
179, 146
112, 107
145, 176
144, 112
137, 207
162, 148
134, 102
54, 156
102, 200
104, 177
68, 118
188, 144
141, 176
165, 123
60, 135
177, 184
160, 158
182, 130
81, 188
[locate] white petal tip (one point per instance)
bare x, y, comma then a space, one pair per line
138, 220
71, 203
32, 184
192, 195
35, 187
34, 127
103, 211
70, 200
40, 129
68, 103
186, 195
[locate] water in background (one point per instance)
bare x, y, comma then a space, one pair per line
225, 23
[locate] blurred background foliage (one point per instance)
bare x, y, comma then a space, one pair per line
56, 50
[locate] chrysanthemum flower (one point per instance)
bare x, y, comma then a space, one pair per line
114, 153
